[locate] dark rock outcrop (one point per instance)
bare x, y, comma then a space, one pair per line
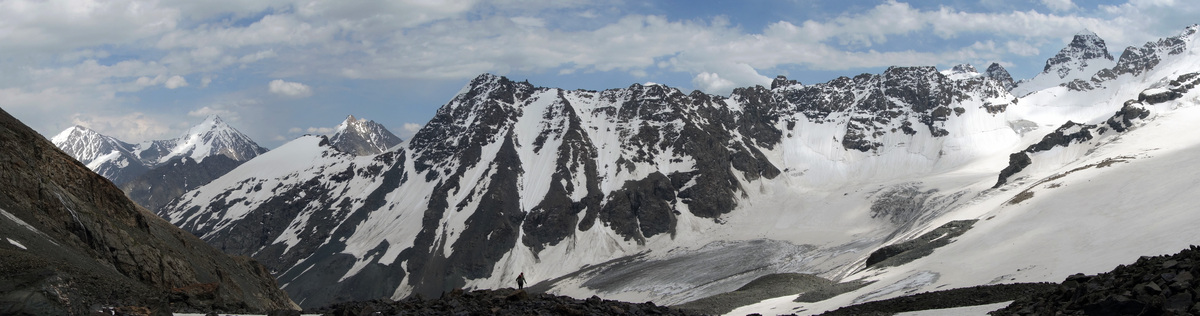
83, 245
998, 73
901, 253
1159, 285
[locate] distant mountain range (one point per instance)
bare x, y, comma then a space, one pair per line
153, 173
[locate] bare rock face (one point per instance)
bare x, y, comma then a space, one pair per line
76, 245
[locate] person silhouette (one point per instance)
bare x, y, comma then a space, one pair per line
521, 281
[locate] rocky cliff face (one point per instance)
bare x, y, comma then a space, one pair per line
75, 244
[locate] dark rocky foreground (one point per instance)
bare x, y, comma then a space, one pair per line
71, 243
496, 302
1161, 285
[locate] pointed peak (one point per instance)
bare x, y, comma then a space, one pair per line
1086, 32
350, 121
73, 131
212, 121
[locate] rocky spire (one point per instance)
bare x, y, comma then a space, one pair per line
997, 72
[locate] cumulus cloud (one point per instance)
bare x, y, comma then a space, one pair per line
131, 127
712, 82
175, 82
410, 129
289, 89
58, 26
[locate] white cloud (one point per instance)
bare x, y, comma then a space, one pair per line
408, 130
131, 127
1021, 48
289, 89
175, 82
1059, 5
412, 127
41, 27
711, 82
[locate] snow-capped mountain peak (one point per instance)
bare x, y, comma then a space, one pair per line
363, 137
107, 156
1086, 55
85, 144
1084, 47
214, 137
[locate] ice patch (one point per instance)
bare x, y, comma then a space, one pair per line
15, 243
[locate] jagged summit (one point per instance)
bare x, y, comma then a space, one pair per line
1086, 55
997, 72
1084, 47
363, 137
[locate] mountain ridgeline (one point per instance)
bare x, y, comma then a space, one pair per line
155, 172
507, 170
652, 192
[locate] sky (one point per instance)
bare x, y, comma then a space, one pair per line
278, 69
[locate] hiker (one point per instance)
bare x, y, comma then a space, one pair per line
521, 281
